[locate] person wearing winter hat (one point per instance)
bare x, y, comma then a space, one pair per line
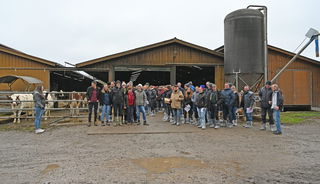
265, 95
140, 102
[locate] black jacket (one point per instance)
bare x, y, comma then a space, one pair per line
202, 100
265, 95
89, 93
117, 95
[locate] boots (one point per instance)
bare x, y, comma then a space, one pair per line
263, 127
249, 124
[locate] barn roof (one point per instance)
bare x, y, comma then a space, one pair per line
152, 46
9, 50
12, 78
276, 49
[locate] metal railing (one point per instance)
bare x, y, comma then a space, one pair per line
5, 106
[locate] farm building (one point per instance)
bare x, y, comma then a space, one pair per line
300, 82
161, 63
53, 75
175, 60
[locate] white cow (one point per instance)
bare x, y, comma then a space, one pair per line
50, 104
19, 104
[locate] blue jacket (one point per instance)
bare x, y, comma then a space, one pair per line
228, 97
106, 99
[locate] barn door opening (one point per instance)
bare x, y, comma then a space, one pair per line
141, 77
197, 74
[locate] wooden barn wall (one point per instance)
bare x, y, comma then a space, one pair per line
8, 60
174, 54
167, 56
300, 73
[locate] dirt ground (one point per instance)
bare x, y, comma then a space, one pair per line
227, 155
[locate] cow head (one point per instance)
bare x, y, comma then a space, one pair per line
16, 100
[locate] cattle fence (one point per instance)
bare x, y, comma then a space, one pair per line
57, 98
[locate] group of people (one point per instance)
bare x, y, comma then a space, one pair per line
123, 103
201, 105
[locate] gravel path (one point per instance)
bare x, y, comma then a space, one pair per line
236, 155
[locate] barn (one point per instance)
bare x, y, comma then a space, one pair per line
176, 60
300, 82
53, 75
161, 63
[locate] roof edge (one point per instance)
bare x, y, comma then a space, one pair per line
147, 47
15, 52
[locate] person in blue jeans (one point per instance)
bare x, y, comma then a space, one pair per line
228, 99
176, 105
140, 102
276, 105
248, 102
201, 103
235, 105
39, 105
106, 102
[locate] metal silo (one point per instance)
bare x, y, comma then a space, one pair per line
244, 47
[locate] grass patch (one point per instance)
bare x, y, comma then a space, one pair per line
25, 126
298, 117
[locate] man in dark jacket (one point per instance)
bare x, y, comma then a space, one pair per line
152, 98
266, 97
213, 106
228, 99
93, 96
168, 110
276, 105
117, 94
247, 104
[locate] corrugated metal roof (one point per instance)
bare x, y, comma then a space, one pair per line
12, 78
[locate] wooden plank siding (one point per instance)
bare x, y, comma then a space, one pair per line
165, 55
173, 54
300, 82
10, 60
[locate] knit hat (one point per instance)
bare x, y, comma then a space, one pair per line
202, 86
268, 83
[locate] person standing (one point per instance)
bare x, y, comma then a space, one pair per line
276, 106
176, 104
152, 94
39, 105
117, 103
189, 105
141, 100
265, 95
248, 102
194, 99
228, 99
201, 102
235, 105
168, 110
213, 104
93, 96
106, 102
129, 104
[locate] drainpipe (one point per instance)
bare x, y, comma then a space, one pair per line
265, 39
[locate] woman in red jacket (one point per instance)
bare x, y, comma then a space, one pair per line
129, 99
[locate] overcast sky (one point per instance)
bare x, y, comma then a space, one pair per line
80, 30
